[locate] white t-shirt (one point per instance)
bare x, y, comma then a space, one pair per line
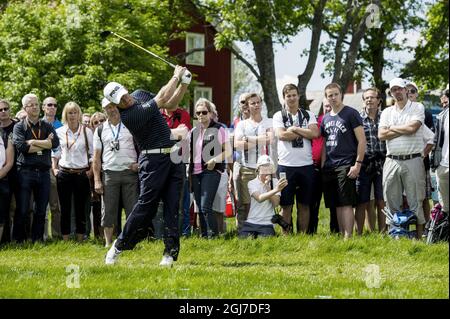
260, 213
114, 160
250, 128
405, 144
288, 155
2, 153
444, 161
428, 136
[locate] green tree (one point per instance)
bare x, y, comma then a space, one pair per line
430, 68
262, 23
56, 48
394, 16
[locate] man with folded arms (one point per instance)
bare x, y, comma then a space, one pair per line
403, 171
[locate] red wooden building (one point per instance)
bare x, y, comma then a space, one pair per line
212, 70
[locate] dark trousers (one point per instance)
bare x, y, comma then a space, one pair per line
4, 204
76, 184
315, 206
36, 182
205, 187
159, 178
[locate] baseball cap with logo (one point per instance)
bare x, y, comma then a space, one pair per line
397, 82
114, 91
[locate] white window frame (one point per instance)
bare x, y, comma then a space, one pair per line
202, 91
196, 58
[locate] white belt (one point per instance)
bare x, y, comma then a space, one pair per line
166, 150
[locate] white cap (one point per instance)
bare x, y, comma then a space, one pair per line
105, 102
114, 91
413, 84
264, 160
397, 82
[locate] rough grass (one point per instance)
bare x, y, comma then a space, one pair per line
298, 266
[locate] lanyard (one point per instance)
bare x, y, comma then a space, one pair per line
74, 140
32, 130
116, 137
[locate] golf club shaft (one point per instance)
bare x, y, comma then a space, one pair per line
149, 52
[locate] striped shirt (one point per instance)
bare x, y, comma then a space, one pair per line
404, 144
375, 148
146, 123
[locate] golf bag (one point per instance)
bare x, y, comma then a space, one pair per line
437, 227
400, 222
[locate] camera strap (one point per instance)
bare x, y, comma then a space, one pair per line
115, 137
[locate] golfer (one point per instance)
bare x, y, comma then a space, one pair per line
159, 177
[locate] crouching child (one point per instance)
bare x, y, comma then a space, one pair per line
265, 192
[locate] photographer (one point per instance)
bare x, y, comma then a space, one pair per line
295, 128
264, 198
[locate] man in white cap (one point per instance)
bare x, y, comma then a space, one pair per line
403, 171
115, 168
160, 177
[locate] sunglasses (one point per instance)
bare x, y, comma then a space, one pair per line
413, 91
52, 104
5, 109
242, 102
201, 112
99, 121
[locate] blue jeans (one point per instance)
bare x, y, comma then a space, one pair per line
38, 182
186, 210
4, 201
205, 187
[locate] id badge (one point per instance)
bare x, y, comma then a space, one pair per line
39, 153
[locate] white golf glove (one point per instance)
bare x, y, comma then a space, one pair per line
187, 77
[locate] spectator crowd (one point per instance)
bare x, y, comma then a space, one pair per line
73, 178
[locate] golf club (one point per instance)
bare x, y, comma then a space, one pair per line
104, 34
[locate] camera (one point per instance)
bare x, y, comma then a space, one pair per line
298, 142
278, 219
114, 145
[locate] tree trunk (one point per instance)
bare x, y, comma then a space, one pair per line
265, 60
305, 77
348, 69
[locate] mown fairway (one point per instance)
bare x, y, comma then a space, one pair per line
322, 266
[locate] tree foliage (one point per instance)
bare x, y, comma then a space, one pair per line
262, 23
430, 68
56, 49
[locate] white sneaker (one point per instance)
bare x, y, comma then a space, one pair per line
112, 255
167, 261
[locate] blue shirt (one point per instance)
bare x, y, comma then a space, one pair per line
340, 140
146, 123
56, 123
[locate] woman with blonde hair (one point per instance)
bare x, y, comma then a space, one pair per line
71, 166
210, 150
